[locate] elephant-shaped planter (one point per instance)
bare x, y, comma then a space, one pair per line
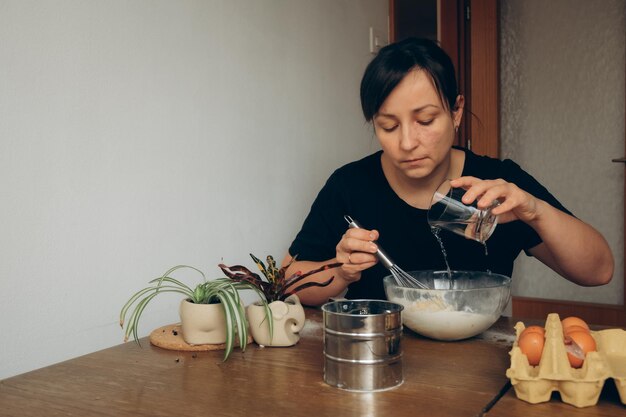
288, 320
202, 324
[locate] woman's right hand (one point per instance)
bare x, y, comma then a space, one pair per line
357, 252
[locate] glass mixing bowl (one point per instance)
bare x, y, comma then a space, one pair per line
454, 309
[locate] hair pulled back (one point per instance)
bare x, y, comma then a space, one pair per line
395, 61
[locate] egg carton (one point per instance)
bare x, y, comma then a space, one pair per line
578, 387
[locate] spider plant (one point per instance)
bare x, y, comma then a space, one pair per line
220, 290
276, 286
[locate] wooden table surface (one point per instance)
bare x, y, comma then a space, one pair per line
463, 378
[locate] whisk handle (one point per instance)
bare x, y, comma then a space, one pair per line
382, 256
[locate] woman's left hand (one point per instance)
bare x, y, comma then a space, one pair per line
568, 245
515, 203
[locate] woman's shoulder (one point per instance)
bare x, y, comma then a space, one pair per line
487, 167
355, 175
364, 166
364, 163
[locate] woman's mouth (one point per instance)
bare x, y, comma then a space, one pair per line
414, 161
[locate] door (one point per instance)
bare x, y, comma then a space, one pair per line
469, 34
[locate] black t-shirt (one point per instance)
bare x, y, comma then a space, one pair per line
360, 190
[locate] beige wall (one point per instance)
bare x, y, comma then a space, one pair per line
138, 135
562, 110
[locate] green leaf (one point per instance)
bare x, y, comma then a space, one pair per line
228, 313
259, 263
224, 290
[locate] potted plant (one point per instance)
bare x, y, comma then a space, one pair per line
279, 326
211, 313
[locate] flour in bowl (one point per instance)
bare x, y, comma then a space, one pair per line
434, 319
447, 325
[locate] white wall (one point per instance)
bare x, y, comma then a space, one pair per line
562, 109
137, 135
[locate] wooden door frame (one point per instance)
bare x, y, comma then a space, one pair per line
471, 40
483, 59
478, 30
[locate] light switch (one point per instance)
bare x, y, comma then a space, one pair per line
375, 40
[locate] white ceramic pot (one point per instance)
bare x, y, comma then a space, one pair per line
202, 324
288, 320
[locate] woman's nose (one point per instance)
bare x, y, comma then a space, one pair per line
409, 137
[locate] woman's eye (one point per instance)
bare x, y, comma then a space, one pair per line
425, 122
389, 128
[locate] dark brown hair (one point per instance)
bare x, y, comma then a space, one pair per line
395, 61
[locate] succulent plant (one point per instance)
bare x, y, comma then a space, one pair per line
276, 286
220, 290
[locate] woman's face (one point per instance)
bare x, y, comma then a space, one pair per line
415, 130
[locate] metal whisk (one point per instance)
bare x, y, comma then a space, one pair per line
402, 278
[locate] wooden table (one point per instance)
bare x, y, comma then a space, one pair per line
465, 378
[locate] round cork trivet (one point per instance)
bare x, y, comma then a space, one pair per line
171, 337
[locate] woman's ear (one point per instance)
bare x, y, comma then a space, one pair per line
457, 111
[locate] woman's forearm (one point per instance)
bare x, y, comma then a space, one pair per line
315, 296
572, 247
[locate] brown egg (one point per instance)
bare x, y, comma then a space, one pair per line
531, 345
585, 341
573, 321
574, 328
534, 329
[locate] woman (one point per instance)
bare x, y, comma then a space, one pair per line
409, 93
